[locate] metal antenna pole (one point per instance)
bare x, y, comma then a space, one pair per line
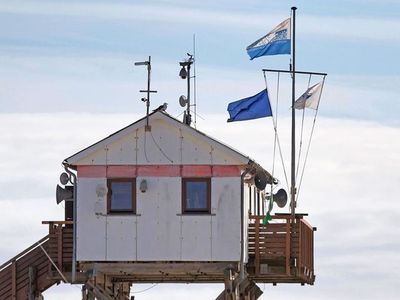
148, 91
189, 117
194, 81
185, 74
293, 160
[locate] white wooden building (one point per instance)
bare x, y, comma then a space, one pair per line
162, 202
168, 194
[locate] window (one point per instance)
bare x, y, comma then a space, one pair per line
196, 195
121, 197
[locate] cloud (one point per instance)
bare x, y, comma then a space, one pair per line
365, 28
349, 190
57, 83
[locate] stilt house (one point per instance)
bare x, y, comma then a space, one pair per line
159, 201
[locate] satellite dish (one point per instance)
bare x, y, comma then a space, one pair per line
280, 198
64, 178
66, 193
182, 101
260, 180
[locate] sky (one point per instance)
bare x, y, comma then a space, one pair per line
67, 79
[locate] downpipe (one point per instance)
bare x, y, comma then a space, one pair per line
74, 182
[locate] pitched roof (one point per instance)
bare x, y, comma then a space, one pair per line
75, 158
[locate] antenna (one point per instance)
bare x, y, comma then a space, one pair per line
185, 74
194, 81
148, 91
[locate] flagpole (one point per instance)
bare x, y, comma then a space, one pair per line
293, 156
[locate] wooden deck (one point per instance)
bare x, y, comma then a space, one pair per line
282, 251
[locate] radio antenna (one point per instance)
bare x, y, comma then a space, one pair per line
185, 101
194, 81
148, 91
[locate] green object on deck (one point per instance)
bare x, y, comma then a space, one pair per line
267, 218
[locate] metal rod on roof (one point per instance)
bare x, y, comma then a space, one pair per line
148, 91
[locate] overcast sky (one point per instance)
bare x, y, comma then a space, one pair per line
67, 80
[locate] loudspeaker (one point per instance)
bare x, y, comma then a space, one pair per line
280, 198
66, 193
260, 180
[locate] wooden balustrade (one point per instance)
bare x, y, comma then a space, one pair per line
282, 247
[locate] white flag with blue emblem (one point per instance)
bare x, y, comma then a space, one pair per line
275, 42
310, 98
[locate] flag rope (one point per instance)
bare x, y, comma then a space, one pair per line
309, 141
275, 123
301, 134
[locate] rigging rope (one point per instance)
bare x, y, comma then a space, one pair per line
301, 135
275, 123
309, 141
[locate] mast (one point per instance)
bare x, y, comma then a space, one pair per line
293, 156
148, 91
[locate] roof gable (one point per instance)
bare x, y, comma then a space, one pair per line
169, 142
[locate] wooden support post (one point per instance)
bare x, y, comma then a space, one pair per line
14, 280
287, 247
32, 283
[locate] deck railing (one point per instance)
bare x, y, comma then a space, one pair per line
282, 247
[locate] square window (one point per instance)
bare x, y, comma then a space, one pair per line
121, 195
196, 195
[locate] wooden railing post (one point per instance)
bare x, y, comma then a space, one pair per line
300, 233
287, 247
257, 246
60, 247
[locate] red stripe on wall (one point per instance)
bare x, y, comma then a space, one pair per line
92, 171
121, 171
226, 171
196, 171
159, 171
129, 171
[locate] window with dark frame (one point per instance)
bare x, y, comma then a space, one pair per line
121, 197
196, 195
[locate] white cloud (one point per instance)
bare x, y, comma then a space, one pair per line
349, 190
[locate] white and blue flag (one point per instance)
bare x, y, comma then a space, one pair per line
275, 42
310, 98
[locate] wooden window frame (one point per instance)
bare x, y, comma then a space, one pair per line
187, 211
109, 198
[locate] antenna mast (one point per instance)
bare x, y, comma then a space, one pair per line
194, 81
293, 160
185, 74
148, 91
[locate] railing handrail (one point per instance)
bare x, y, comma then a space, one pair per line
21, 254
58, 222
278, 217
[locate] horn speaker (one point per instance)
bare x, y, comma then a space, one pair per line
66, 193
260, 180
280, 198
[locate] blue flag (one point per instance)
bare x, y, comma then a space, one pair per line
275, 42
253, 107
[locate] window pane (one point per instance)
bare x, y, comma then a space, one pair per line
121, 196
196, 195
